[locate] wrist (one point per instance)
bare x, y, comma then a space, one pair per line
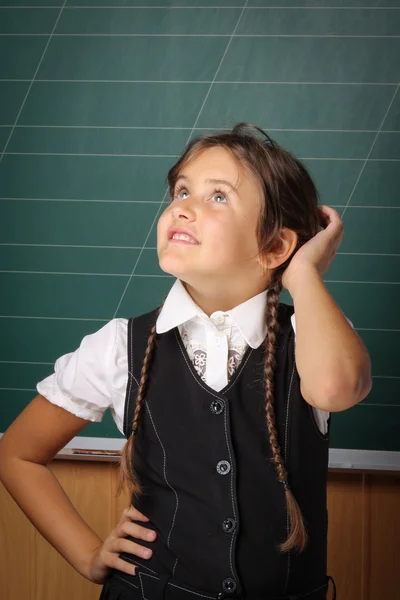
301, 276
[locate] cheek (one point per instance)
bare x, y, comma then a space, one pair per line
224, 237
162, 225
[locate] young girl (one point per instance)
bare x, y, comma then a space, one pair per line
224, 394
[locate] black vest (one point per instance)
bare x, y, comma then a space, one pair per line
204, 461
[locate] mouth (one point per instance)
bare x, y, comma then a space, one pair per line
183, 238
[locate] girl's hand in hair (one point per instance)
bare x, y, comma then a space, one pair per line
320, 250
106, 556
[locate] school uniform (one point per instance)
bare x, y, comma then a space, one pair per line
202, 451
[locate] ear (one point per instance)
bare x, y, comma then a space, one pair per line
283, 248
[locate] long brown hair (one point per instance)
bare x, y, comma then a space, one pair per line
291, 201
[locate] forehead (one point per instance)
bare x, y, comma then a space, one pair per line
219, 163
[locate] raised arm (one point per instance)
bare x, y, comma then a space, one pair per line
332, 361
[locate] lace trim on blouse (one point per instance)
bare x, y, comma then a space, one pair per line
197, 352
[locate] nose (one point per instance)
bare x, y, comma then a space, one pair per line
183, 209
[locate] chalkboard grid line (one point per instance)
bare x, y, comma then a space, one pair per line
156, 275
370, 150
363, 403
210, 6
15, 199
31, 83
144, 127
206, 35
153, 248
199, 81
27, 362
116, 155
190, 135
99, 320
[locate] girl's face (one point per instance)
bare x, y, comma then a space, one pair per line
221, 215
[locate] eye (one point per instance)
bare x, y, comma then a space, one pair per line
177, 191
217, 193
220, 194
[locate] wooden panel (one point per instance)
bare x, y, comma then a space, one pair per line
345, 534
363, 535
88, 485
382, 537
17, 539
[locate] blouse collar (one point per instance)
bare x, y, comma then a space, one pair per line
248, 317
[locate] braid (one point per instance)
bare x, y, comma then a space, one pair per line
298, 535
126, 472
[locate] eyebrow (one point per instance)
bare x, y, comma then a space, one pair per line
224, 181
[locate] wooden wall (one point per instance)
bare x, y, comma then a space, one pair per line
363, 544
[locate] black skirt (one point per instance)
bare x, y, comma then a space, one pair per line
145, 586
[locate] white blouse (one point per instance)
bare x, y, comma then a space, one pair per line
94, 377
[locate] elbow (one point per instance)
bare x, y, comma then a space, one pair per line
343, 393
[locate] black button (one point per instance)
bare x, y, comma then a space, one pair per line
229, 585
223, 467
217, 407
228, 525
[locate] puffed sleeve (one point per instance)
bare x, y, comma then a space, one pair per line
80, 381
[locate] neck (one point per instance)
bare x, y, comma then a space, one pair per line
222, 298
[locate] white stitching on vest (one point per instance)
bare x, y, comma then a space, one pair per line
174, 585
133, 377
141, 586
286, 438
139, 564
233, 502
186, 590
141, 582
128, 582
287, 412
130, 382
173, 570
316, 589
165, 475
241, 367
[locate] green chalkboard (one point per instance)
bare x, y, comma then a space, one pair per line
99, 103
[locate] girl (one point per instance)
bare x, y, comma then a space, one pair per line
223, 393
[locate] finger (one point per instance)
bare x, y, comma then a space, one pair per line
122, 565
335, 223
141, 532
124, 545
137, 515
323, 218
331, 213
128, 528
130, 513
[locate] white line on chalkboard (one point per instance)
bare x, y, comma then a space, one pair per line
145, 127
154, 248
203, 35
118, 155
363, 403
33, 78
86, 274
91, 6
201, 81
356, 206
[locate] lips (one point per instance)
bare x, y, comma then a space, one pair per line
174, 230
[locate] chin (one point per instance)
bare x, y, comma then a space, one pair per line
171, 266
